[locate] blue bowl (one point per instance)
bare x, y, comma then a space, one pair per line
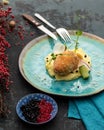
37, 96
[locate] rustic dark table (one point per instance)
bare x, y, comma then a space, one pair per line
87, 15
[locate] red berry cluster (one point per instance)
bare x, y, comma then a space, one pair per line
4, 70
37, 111
5, 13
45, 111
21, 32
4, 74
8, 25
4, 67
4, 22
6, 17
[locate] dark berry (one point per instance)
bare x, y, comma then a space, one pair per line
37, 111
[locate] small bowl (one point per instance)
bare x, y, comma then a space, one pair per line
36, 96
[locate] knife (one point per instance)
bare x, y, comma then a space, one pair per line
39, 26
44, 20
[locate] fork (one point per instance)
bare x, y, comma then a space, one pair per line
62, 32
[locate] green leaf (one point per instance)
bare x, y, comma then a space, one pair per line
78, 32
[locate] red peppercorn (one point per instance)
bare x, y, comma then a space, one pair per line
5, 17
45, 111
12, 16
4, 70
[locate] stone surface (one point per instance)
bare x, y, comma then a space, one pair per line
71, 14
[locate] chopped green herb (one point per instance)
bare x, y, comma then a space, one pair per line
53, 56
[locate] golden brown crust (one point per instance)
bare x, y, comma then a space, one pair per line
66, 63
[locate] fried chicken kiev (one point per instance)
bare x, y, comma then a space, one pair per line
68, 65
65, 63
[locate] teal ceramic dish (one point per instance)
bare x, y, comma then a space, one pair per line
32, 67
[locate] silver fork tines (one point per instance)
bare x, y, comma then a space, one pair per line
64, 34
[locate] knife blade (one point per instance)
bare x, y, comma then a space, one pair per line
39, 26
44, 20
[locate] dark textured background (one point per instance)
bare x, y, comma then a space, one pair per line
87, 15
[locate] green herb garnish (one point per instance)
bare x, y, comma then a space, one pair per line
78, 34
53, 56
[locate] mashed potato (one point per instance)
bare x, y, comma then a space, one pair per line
65, 66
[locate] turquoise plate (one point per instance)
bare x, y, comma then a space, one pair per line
32, 67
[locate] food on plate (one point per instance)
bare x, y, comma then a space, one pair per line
65, 63
84, 71
68, 64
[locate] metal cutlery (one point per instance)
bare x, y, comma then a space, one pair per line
62, 32
44, 20
39, 25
